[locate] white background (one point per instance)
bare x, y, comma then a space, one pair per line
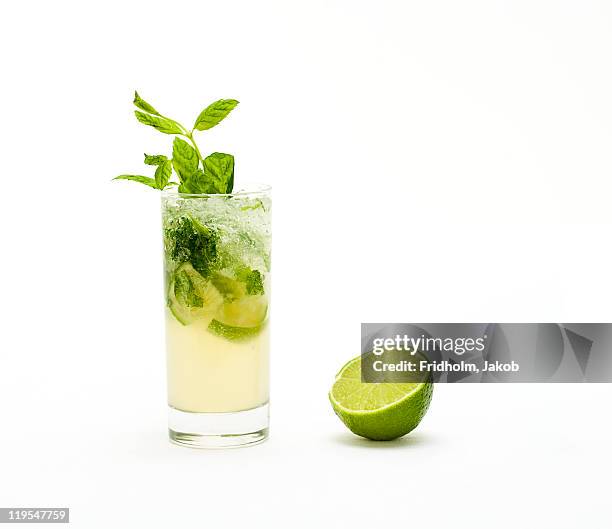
431, 161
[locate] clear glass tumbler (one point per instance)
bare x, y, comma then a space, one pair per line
217, 292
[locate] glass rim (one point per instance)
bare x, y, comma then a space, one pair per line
251, 190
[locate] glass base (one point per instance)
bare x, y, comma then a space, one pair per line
218, 430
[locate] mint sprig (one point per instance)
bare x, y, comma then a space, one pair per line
195, 174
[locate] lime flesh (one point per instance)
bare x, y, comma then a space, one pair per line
240, 319
380, 412
197, 299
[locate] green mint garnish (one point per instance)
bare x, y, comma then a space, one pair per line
184, 159
154, 159
138, 178
195, 174
215, 113
219, 169
143, 105
163, 174
196, 184
167, 126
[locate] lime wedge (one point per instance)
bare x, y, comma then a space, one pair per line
233, 333
230, 287
248, 311
382, 411
191, 297
240, 319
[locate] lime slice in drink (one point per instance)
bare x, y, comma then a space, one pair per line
191, 297
240, 319
229, 286
380, 412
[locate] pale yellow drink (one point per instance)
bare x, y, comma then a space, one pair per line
209, 373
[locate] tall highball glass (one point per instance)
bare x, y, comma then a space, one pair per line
217, 295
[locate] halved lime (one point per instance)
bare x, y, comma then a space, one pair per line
378, 411
240, 319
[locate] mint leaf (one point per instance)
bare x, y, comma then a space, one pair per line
165, 125
254, 283
184, 187
163, 174
138, 178
219, 173
214, 113
170, 184
252, 279
187, 240
143, 105
184, 159
154, 159
195, 184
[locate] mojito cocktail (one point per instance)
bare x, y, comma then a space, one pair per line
217, 284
